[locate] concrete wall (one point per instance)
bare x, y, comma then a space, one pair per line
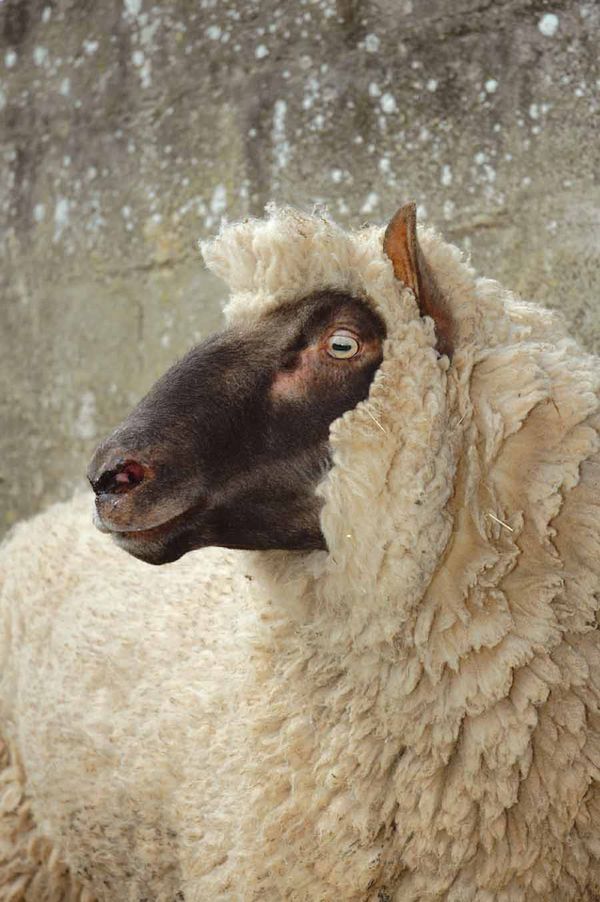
128, 128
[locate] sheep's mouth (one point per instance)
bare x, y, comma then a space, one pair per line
160, 544
151, 533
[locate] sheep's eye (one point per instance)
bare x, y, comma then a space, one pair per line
342, 346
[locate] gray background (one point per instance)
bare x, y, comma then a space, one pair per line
130, 128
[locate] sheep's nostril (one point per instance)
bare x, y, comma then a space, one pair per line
121, 479
131, 474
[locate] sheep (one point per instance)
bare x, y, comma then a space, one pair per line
395, 696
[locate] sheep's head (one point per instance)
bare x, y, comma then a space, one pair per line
230, 444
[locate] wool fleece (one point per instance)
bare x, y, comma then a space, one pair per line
412, 715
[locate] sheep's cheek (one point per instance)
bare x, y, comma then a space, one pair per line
295, 383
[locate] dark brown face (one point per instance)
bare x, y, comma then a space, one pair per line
228, 446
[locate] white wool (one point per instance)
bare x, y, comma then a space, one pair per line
413, 715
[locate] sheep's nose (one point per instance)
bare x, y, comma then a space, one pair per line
118, 479
127, 491
135, 489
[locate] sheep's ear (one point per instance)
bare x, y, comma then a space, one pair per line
411, 268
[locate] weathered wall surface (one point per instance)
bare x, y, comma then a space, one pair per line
128, 128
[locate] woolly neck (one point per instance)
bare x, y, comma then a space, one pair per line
390, 495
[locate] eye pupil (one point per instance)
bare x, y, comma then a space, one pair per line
342, 346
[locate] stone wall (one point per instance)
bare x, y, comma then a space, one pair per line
129, 128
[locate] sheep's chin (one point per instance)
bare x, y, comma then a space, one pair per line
148, 550
159, 545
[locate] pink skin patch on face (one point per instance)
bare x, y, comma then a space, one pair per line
315, 365
295, 383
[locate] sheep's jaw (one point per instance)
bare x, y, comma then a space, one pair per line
199, 528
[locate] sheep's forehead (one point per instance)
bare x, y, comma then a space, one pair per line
288, 255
